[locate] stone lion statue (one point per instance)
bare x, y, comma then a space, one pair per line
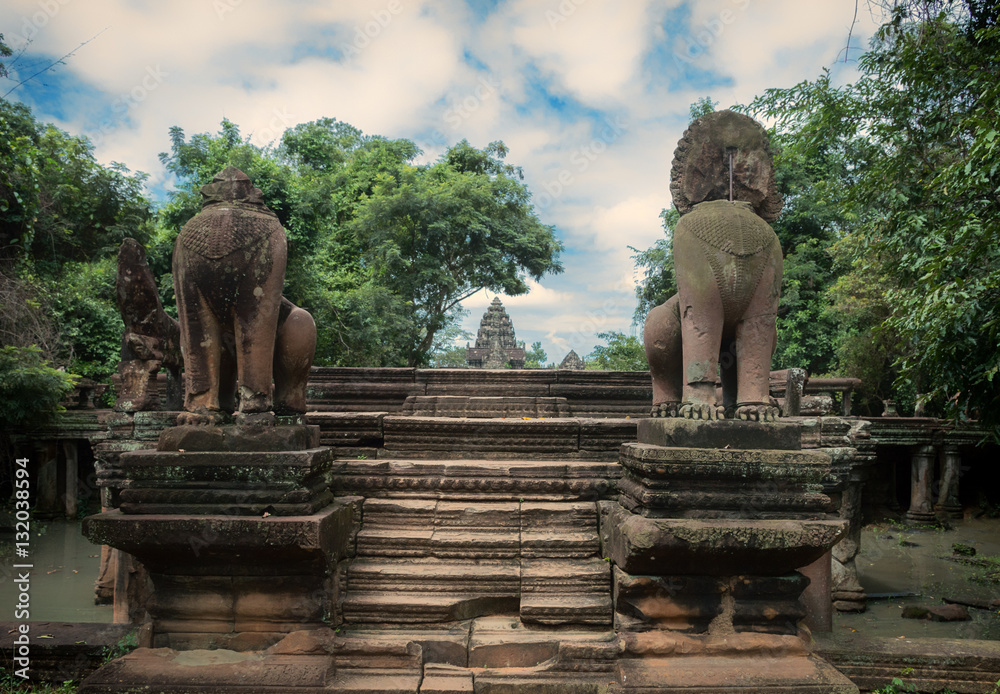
720, 326
238, 334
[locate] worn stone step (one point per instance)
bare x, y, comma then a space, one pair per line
556, 609
486, 543
506, 642
479, 479
433, 575
591, 575
422, 608
446, 643
554, 543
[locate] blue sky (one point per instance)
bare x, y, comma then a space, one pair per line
590, 96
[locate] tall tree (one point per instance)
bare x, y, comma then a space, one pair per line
381, 251
62, 218
443, 232
535, 357
920, 189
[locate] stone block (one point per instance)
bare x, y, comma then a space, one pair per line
239, 438
801, 674
442, 643
445, 679
685, 604
716, 547
348, 429
723, 483
719, 434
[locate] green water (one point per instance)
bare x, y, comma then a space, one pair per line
65, 566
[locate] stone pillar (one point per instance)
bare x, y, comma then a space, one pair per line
794, 387
845, 402
816, 596
104, 586
846, 590
921, 478
711, 522
71, 454
951, 462
47, 486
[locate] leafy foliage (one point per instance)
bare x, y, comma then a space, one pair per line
535, 357
621, 353
439, 234
918, 137
62, 218
30, 388
381, 251
57, 203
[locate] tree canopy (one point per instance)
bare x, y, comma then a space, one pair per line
917, 186
381, 250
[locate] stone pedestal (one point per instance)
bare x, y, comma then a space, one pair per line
713, 520
238, 531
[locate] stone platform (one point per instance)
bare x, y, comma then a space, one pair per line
237, 529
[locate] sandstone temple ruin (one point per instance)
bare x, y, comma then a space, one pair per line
496, 345
494, 529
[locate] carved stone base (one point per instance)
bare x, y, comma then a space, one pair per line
234, 582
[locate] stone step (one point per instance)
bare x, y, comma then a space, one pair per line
568, 608
433, 575
484, 543
422, 608
478, 480
558, 437
591, 575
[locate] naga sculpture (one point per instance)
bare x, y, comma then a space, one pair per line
151, 340
237, 332
728, 266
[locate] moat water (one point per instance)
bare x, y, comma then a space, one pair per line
64, 568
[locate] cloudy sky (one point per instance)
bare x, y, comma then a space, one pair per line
590, 96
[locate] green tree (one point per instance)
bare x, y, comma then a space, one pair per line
62, 218
535, 357
5, 52
30, 388
443, 232
919, 133
657, 281
621, 353
57, 204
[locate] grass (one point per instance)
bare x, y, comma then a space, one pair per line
10, 683
126, 644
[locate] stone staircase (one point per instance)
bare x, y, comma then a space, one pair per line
480, 544
427, 561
